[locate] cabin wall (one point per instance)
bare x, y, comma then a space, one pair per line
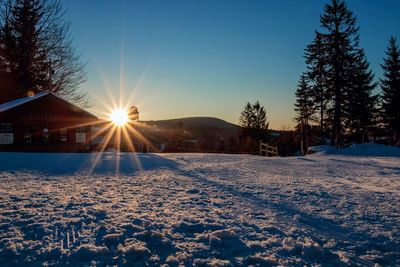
46, 124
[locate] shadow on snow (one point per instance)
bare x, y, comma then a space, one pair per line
56, 164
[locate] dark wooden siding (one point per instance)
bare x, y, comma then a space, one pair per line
51, 113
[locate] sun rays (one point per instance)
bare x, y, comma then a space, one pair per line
119, 117
120, 131
117, 136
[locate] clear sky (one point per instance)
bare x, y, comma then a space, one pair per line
210, 57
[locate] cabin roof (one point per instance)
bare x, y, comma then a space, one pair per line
20, 101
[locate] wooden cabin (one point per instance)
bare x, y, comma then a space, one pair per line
44, 122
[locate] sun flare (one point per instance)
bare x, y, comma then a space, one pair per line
119, 117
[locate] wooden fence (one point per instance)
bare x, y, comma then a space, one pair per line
267, 150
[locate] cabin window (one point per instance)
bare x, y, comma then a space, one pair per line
27, 137
63, 135
6, 138
6, 127
80, 137
46, 135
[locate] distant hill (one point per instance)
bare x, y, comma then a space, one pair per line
194, 122
205, 134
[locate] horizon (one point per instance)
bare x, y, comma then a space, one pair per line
184, 59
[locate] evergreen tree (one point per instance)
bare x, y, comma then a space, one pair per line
246, 119
254, 118
304, 109
331, 60
254, 127
390, 85
316, 78
360, 103
36, 50
339, 76
7, 62
340, 38
260, 117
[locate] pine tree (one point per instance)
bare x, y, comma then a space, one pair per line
246, 119
339, 75
340, 38
37, 51
254, 117
316, 78
254, 127
390, 85
27, 53
260, 117
305, 111
360, 103
7, 62
330, 58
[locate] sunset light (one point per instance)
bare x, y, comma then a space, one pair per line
119, 117
258, 133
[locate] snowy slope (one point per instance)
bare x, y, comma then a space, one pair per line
198, 209
364, 150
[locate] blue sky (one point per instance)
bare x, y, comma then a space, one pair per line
208, 58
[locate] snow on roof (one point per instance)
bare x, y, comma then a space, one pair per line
20, 101
17, 102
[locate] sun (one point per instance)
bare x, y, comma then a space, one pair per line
119, 117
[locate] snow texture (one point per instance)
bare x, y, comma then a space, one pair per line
199, 209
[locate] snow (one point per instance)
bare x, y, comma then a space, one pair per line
332, 209
364, 150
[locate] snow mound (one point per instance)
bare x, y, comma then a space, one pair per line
89, 251
361, 150
135, 251
322, 150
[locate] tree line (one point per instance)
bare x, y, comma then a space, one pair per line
335, 96
36, 52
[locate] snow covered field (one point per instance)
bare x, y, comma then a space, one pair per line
200, 209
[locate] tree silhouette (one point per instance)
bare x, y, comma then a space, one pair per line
36, 51
390, 85
340, 37
315, 57
253, 121
339, 77
360, 103
246, 119
304, 108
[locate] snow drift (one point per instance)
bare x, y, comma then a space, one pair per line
364, 150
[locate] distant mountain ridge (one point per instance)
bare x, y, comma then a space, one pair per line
194, 122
